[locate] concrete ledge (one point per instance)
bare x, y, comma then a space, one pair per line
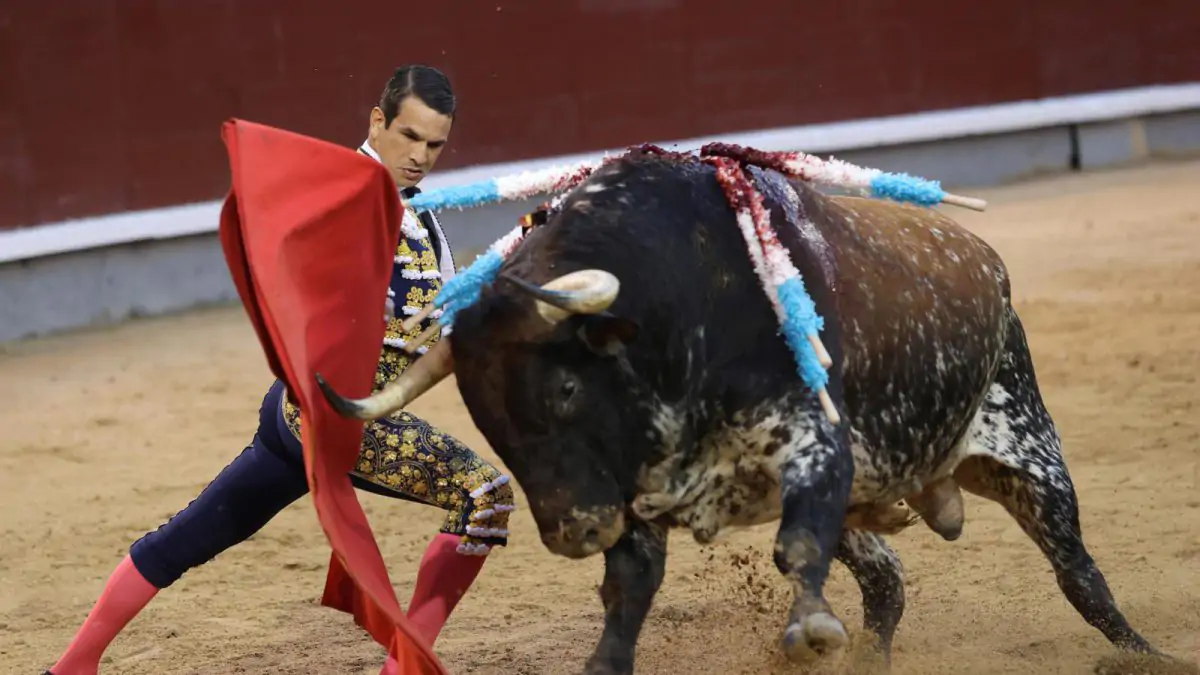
1111, 143
101, 286
975, 160
1173, 134
96, 286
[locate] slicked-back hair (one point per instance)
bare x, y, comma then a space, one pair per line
426, 83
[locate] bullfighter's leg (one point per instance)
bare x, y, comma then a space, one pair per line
816, 476
263, 480
405, 457
880, 577
633, 572
1018, 462
256, 485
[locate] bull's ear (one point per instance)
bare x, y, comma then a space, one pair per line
606, 334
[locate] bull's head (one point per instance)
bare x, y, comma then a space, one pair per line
551, 391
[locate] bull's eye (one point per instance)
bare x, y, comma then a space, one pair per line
564, 394
568, 389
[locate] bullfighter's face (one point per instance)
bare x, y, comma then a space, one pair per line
560, 408
410, 146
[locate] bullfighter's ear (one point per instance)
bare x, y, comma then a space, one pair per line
606, 334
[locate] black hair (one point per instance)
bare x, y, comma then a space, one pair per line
426, 83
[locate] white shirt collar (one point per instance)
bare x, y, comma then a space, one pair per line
366, 147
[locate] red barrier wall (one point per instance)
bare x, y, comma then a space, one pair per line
113, 105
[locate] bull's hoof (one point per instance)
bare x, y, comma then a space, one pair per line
815, 636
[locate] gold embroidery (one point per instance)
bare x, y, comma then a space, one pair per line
419, 297
392, 362
427, 260
403, 251
407, 454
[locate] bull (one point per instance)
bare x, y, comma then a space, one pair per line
627, 367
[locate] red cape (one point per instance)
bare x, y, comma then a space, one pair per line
309, 230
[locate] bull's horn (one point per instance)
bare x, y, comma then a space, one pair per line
419, 378
582, 292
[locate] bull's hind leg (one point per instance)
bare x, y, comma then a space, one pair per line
1018, 463
633, 572
880, 577
815, 480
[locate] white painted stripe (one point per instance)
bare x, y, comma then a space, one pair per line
178, 221
114, 228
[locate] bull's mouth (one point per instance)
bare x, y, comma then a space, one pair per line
585, 532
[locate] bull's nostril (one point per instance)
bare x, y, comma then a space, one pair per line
592, 535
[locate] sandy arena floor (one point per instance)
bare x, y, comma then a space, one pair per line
108, 432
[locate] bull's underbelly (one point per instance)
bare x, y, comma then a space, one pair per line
736, 482
887, 475
732, 495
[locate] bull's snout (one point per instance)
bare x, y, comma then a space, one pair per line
585, 532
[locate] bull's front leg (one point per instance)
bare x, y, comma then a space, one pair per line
817, 470
633, 572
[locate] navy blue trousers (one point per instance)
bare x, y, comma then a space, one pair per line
262, 481
245, 496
